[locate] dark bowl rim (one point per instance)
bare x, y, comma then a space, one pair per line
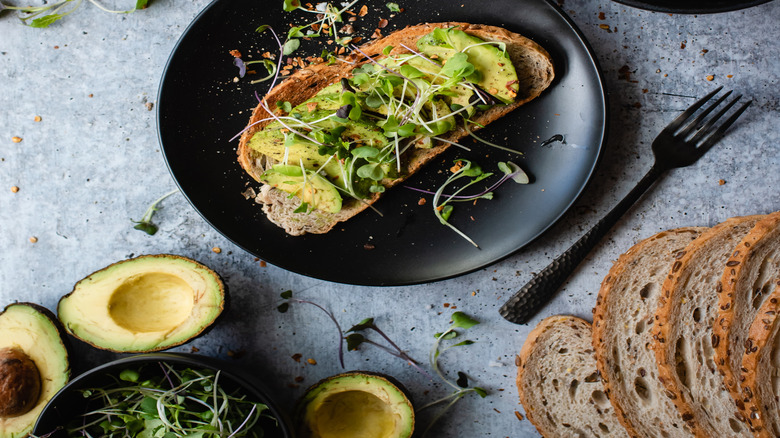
230, 371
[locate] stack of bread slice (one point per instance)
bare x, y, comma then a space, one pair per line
685, 337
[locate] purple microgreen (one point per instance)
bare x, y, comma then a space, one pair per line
287, 295
165, 373
278, 119
368, 324
145, 224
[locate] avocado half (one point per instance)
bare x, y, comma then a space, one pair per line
148, 303
33, 366
355, 405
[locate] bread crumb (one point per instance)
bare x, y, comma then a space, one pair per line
311, 361
421, 201
363, 11
519, 416
299, 379
263, 264
297, 357
721, 182
90, 95
729, 76
33, 239
14, 189
37, 118
216, 250
710, 78
16, 139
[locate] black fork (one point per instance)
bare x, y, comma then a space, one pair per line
680, 144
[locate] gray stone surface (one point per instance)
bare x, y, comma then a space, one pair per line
93, 163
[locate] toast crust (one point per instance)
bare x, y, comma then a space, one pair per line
681, 337
608, 321
734, 291
534, 71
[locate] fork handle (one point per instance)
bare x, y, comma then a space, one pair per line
526, 302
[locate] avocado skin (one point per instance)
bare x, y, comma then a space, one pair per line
304, 431
120, 348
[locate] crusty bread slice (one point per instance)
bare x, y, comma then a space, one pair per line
683, 332
750, 275
761, 364
622, 323
534, 71
559, 384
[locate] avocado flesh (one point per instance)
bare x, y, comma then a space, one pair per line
355, 405
144, 304
34, 330
312, 189
496, 73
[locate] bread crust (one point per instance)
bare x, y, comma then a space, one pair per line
735, 290
685, 291
607, 317
761, 406
534, 70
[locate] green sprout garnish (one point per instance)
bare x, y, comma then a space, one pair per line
355, 339
50, 13
168, 404
393, 7
145, 224
459, 321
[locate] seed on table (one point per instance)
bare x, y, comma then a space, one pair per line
14, 189
33, 239
216, 250
16, 139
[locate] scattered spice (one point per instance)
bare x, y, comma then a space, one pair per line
602, 16
235, 53
721, 182
446, 304
710, 78
383, 23
33, 239
519, 416
149, 106
16, 139
363, 11
311, 361
14, 189
194, 349
90, 95
216, 250
38, 118
682, 44
421, 201
297, 357
299, 379
263, 264
369, 246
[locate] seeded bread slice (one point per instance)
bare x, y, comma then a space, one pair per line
683, 332
622, 323
559, 384
750, 275
761, 363
534, 74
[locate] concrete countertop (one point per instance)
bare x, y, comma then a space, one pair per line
92, 163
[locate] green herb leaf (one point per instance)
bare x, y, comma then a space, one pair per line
466, 342
295, 32
373, 171
141, 4
362, 325
283, 308
284, 106
291, 5
446, 211
386, 51
262, 28
411, 72
393, 7
291, 46
458, 66
461, 320
482, 393
286, 294
303, 208
129, 375
376, 188
365, 152
354, 340
450, 335
46, 20
147, 227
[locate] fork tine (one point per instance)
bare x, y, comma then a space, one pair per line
713, 138
687, 113
695, 123
706, 129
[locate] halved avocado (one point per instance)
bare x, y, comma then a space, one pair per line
144, 304
33, 366
355, 405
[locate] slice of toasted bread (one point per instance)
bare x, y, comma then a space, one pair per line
622, 322
761, 368
683, 332
534, 72
559, 384
750, 275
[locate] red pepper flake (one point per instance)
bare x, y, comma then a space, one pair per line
263, 264
458, 165
729, 76
383, 23
710, 78
315, 27
363, 11
297, 357
421, 201
266, 55
194, 349
602, 16
37, 118
14, 189
369, 246
721, 182
235, 53
377, 33
285, 72
682, 44
703, 51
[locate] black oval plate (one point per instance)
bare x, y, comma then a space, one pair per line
692, 6
200, 108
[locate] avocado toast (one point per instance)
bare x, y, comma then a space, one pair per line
316, 175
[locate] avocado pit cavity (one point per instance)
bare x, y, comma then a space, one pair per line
151, 302
20, 383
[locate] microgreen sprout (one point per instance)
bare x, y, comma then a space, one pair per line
45, 15
145, 224
355, 339
287, 295
460, 386
171, 404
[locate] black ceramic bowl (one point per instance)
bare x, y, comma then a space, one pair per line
69, 403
